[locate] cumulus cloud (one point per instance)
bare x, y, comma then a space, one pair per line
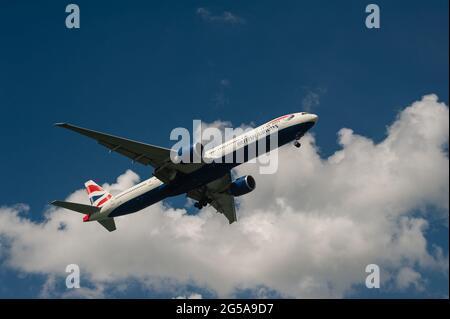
191, 296
311, 98
225, 17
307, 231
407, 277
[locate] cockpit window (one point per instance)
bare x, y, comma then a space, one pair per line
290, 117
303, 113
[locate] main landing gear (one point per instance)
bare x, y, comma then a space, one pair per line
297, 144
200, 204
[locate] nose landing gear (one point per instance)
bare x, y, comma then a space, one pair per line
297, 139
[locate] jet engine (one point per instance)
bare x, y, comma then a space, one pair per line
242, 185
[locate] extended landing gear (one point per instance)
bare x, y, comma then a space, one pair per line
200, 204
297, 139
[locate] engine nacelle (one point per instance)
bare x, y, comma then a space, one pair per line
188, 154
242, 185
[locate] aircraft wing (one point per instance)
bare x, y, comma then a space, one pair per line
215, 194
146, 154
139, 152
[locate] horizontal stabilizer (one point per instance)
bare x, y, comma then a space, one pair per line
108, 223
80, 208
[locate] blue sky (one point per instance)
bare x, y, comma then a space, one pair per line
138, 69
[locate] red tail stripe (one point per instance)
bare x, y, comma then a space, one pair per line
104, 200
93, 188
279, 118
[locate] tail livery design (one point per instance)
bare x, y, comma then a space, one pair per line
97, 195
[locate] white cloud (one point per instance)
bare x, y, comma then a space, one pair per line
220, 98
311, 98
307, 231
225, 17
191, 296
407, 277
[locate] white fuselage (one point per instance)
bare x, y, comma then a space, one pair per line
219, 151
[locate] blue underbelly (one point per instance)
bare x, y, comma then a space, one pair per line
140, 202
202, 176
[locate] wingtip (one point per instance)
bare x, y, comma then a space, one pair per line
62, 124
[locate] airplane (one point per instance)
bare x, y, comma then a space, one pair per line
206, 182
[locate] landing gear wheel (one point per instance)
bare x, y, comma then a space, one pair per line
197, 205
297, 144
200, 204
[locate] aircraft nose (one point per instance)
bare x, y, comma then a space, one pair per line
314, 118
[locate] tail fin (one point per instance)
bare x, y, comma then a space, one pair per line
97, 195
